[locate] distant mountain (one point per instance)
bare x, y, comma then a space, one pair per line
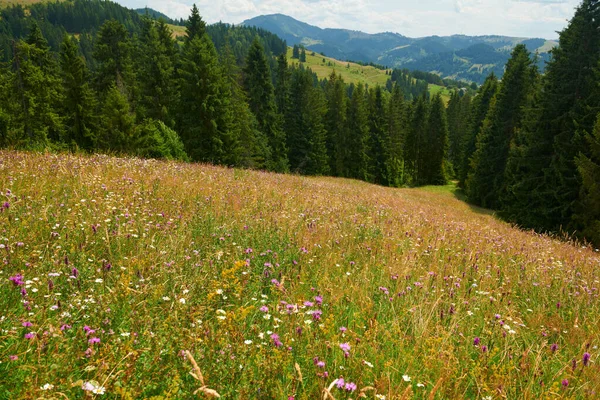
458, 57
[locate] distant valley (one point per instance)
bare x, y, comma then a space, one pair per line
459, 57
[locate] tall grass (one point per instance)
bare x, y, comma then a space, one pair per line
279, 287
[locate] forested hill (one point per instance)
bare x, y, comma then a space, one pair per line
457, 57
83, 19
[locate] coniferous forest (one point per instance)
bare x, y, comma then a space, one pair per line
92, 76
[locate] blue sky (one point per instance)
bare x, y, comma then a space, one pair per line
415, 18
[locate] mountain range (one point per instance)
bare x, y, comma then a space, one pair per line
459, 57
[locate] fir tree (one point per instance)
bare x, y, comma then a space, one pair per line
479, 110
261, 98
195, 27
335, 125
415, 139
378, 135
118, 123
79, 105
358, 135
204, 113
588, 215
485, 184
432, 167
396, 126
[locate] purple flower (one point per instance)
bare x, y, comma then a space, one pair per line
65, 327
316, 314
476, 341
27, 324
343, 329
309, 303
484, 348
276, 341
30, 335
586, 359
340, 383
13, 357
345, 347
554, 347
94, 340
6, 205
17, 280
350, 386
319, 300
264, 309
321, 364
75, 272
565, 383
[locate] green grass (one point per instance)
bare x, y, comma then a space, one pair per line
111, 268
354, 73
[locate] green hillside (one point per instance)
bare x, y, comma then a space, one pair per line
352, 72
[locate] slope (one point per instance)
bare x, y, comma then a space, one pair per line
279, 286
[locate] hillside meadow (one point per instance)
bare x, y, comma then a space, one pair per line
279, 287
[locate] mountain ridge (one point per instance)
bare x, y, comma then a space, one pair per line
430, 53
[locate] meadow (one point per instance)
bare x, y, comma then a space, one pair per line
121, 276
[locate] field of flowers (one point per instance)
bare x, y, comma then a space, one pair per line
125, 278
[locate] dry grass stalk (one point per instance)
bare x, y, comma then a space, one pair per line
435, 388
198, 375
407, 394
298, 371
327, 391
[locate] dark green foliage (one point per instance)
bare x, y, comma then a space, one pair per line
358, 140
435, 147
34, 94
335, 124
296, 52
588, 215
458, 112
261, 98
414, 156
156, 65
397, 124
485, 184
195, 27
112, 51
479, 110
118, 123
302, 57
306, 135
204, 113
379, 138
79, 105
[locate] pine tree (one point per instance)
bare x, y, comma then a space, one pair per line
588, 215
485, 184
296, 52
204, 112
479, 110
156, 66
458, 111
415, 139
118, 123
379, 136
432, 167
35, 93
112, 51
303, 55
396, 126
79, 105
261, 98
195, 27
335, 125
358, 135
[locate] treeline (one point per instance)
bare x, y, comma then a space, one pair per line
532, 146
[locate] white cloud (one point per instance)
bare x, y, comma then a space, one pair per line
527, 18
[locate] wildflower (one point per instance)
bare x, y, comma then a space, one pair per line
17, 280
345, 347
586, 359
13, 357
182, 300
406, 378
484, 348
319, 300
75, 272
350, 386
47, 386
276, 341
248, 341
368, 364
554, 347
264, 309
29, 335
340, 383
309, 303
93, 387
420, 385
343, 329
317, 314
565, 383
219, 291
476, 341
321, 364
27, 324
94, 340
166, 298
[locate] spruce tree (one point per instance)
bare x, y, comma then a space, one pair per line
358, 139
397, 121
79, 104
204, 112
195, 27
335, 125
379, 136
261, 98
457, 112
118, 123
433, 164
485, 184
479, 109
415, 139
588, 214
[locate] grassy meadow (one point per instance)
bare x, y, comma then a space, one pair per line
279, 287
352, 72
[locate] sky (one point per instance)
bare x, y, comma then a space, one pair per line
414, 18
